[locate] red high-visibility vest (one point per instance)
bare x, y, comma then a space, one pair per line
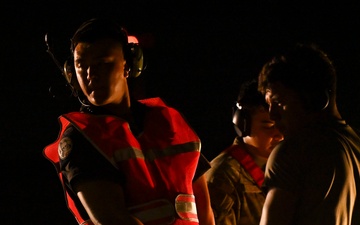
159, 164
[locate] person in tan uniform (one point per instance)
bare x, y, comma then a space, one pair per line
237, 173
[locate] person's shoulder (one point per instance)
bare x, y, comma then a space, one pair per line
66, 143
71, 132
309, 134
326, 132
156, 105
153, 102
223, 164
162, 112
318, 138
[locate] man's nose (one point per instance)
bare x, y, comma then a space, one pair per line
91, 72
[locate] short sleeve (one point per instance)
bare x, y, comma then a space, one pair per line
282, 168
202, 167
80, 160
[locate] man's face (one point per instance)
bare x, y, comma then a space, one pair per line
285, 107
264, 134
100, 71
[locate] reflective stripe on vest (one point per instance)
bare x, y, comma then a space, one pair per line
152, 154
186, 208
125, 153
180, 146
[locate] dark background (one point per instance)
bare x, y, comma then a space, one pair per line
198, 54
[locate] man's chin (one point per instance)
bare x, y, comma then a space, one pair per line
98, 100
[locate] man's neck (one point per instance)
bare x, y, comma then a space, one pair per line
259, 159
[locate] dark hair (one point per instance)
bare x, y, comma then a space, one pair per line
304, 68
250, 97
98, 28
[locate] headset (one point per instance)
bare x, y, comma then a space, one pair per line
316, 101
133, 53
248, 100
241, 120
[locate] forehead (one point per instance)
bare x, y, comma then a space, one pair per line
102, 46
261, 114
277, 90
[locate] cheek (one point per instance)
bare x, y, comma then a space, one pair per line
116, 74
265, 137
116, 77
286, 112
262, 136
82, 83
293, 113
116, 80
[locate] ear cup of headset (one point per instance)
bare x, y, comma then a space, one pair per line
315, 101
69, 71
69, 74
136, 60
242, 122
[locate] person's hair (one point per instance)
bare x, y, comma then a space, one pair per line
250, 98
99, 28
304, 68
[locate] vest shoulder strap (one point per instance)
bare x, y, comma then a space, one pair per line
247, 162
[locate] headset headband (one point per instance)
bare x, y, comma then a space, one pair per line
95, 28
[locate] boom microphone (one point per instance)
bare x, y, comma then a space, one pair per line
50, 51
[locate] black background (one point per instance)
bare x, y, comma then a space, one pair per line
198, 54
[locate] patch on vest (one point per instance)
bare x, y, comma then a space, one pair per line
64, 148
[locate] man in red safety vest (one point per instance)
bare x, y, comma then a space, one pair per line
122, 160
